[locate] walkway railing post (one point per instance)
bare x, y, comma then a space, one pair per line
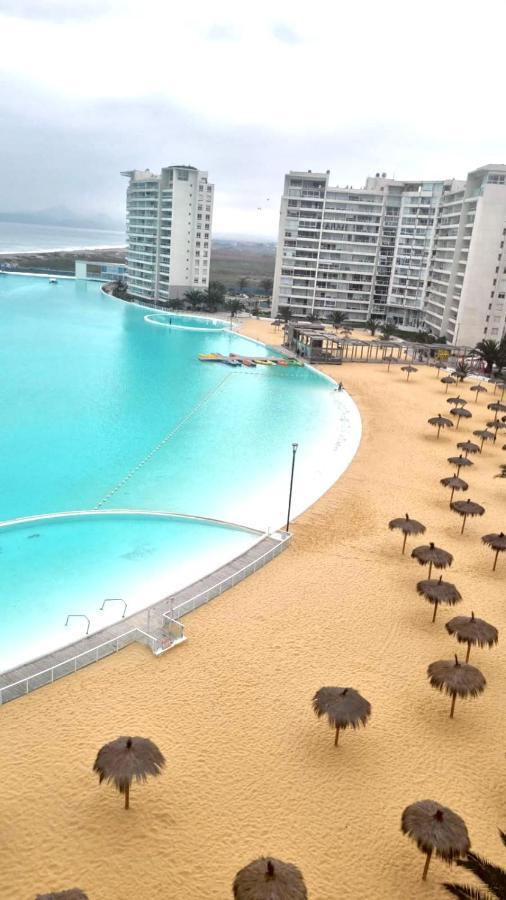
294, 451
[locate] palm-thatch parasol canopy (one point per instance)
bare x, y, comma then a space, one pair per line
440, 422
448, 380
407, 526
439, 591
466, 508
497, 542
409, 370
455, 483
461, 413
436, 829
344, 708
478, 389
456, 679
457, 401
485, 435
468, 447
460, 462
497, 407
128, 759
429, 554
496, 424
472, 631
72, 894
269, 879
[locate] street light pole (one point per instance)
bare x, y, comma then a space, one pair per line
294, 451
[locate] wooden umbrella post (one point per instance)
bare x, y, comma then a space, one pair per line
404, 541
495, 560
463, 523
430, 569
452, 708
468, 650
336, 739
426, 866
127, 797
435, 611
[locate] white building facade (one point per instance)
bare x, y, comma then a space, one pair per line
169, 224
377, 251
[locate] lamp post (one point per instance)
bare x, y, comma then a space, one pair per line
294, 451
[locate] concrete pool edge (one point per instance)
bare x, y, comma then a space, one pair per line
46, 669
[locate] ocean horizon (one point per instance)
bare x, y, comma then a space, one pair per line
20, 237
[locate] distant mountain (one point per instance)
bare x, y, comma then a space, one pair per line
63, 217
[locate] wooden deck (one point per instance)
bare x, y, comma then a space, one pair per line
149, 622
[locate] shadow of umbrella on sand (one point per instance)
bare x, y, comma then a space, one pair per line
466, 508
128, 759
448, 380
344, 708
456, 679
439, 591
473, 632
436, 829
455, 483
430, 555
407, 526
478, 389
440, 422
269, 879
72, 894
497, 542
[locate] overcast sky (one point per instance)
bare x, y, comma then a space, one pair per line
246, 91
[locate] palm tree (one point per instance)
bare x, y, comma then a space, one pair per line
233, 306
214, 296
266, 285
337, 318
461, 371
195, 298
284, 313
176, 304
387, 331
501, 354
371, 326
493, 877
488, 350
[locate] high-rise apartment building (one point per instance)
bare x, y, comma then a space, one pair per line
409, 252
169, 219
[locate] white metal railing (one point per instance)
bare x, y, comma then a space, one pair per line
171, 634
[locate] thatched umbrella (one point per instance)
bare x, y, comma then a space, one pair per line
460, 462
440, 422
390, 359
448, 380
437, 592
407, 526
409, 370
468, 447
127, 759
478, 389
429, 554
436, 829
497, 542
497, 407
484, 435
461, 413
456, 679
496, 424
72, 894
269, 879
457, 401
344, 707
466, 508
470, 630
455, 483
502, 387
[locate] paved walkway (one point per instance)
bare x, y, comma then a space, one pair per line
150, 621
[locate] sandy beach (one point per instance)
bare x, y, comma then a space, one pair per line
250, 770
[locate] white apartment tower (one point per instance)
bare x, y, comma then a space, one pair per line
378, 251
169, 219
